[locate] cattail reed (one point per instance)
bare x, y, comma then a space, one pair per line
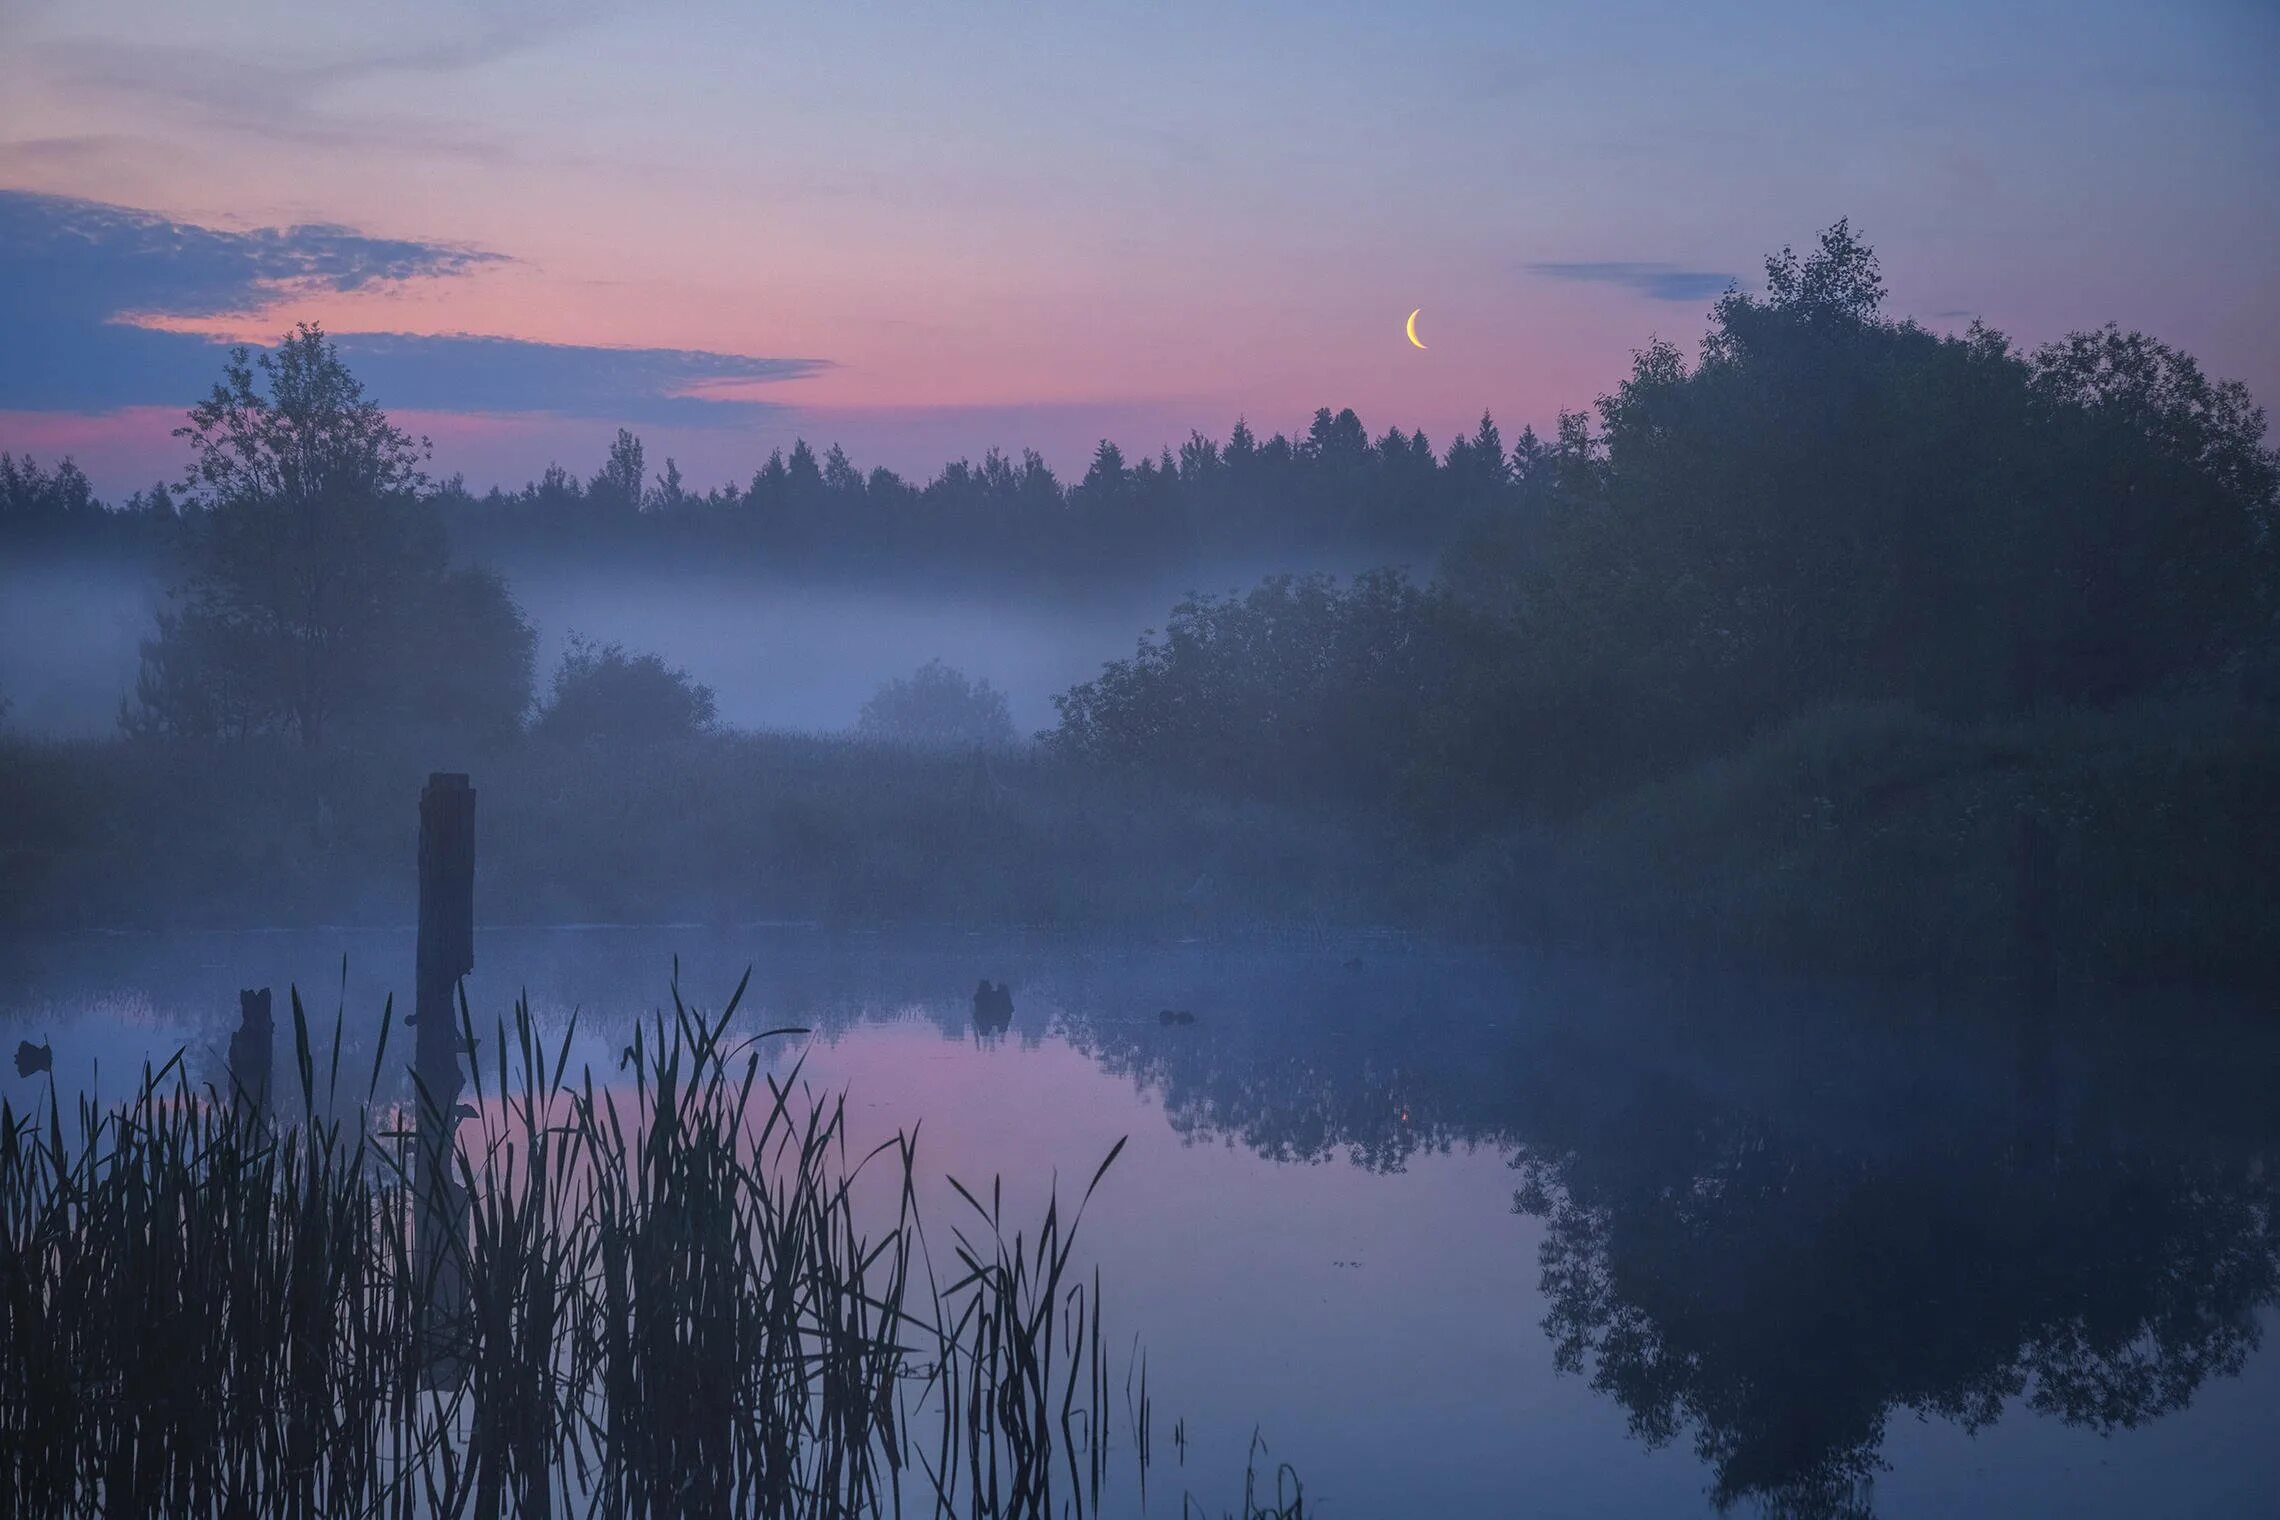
666, 1303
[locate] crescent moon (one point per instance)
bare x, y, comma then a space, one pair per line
1411, 327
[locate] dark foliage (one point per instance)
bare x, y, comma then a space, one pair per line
937, 707
1330, 494
1300, 685
1829, 508
1835, 507
34, 501
316, 589
601, 692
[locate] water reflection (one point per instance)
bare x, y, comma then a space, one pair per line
1769, 1241
993, 1009
1780, 1297
1765, 1220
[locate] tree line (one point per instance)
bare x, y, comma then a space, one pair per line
1825, 506
1329, 494
315, 595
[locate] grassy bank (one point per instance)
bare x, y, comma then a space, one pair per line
726, 827
1865, 840
1877, 841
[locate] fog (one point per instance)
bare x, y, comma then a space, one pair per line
69, 634
778, 653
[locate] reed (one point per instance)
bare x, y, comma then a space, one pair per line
666, 1302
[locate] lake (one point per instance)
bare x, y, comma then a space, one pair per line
1466, 1232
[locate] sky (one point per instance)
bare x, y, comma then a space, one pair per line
925, 230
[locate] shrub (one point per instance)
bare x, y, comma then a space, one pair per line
937, 707
1376, 691
602, 692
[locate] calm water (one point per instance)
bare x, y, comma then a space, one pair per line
1457, 1233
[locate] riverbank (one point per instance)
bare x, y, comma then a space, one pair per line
723, 828
1875, 841
1861, 841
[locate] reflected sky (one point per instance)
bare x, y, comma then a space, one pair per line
1456, 1232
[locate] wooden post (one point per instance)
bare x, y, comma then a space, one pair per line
252, 1045
446, 953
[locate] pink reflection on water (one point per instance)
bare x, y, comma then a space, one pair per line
1340, 1311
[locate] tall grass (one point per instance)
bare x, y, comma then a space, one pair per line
665, 1302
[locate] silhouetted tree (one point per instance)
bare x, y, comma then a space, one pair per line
617, 487
467, 659
1299, 685
1833, 506
937, 707
38, 502
602, 692
669, 494
1828, 507
317, 588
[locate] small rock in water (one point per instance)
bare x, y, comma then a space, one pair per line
1174, 1016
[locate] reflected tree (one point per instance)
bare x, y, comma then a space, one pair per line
1725, 1274
1768, 1241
